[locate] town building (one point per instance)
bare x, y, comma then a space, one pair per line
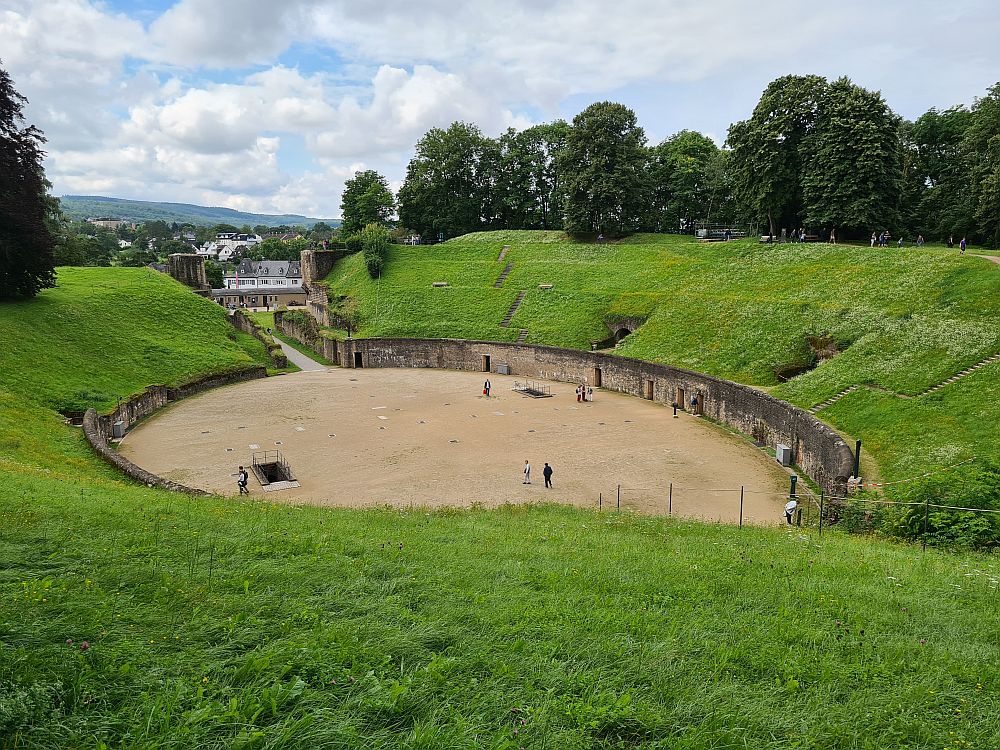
228, 244
262, 283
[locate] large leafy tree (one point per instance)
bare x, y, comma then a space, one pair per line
851, 161
981, 145
603, 168
533, 198
686, 173
27, 241
367, 199
767, 149
936, 194
448, 182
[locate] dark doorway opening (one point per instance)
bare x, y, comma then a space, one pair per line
621, 333
649, 390
679, 398
597, 377
357, 360
486, 363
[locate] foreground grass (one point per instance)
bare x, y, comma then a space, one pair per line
215, 623
902, 320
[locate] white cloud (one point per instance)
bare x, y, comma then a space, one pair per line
206, 101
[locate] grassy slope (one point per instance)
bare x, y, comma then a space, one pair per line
217, 623
223, 624
905, 320
104, 333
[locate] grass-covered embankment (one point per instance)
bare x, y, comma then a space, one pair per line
902, 320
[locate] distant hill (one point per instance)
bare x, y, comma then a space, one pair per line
94, 206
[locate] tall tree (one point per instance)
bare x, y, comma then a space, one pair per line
533, 198
936, 195
766, 149
367, 199
685, 176
27, 241
604, 170
851, 161
981, 145
445, 190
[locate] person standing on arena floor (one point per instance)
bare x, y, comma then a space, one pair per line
486, 388
527, 472
547, 473
242, 479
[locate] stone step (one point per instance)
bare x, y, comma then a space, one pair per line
503, 275
513, 309
522, 336
503, 253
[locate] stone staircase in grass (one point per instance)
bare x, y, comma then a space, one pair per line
503, 275
967, 371
522, 336
503, 253
513, 308
933, 389
833, 399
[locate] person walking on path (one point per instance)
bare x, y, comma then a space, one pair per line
547, 473
486, 388
527, 472
833, 236
242, 479
873, 239
951, 242
962, 246
790, 507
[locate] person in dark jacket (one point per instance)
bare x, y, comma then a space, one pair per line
547, 473
242, 479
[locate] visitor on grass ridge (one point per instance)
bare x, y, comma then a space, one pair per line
790, 507
962, 245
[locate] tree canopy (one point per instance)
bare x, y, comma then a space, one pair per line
27, 220
604, 170
367, 199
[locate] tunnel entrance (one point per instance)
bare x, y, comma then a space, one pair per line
621, 333
272, 471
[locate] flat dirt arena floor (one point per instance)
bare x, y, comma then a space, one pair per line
424, 437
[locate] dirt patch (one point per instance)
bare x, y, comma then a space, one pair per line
430, 438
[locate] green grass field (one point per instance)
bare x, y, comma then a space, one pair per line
902, 320
132, 617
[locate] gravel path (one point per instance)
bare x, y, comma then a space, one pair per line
299, 359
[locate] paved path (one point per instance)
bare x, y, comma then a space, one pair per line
994, 258
299, 359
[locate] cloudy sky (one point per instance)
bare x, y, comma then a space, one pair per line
269, 105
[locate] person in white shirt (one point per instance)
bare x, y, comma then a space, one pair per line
790, 507
527, 472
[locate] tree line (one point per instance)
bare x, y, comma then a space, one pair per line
813, 153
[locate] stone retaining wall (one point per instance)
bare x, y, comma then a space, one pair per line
308, 336
816, 448
98, 428
243, 322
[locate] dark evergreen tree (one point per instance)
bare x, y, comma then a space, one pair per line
27, 241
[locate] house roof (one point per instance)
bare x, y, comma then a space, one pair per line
256, 268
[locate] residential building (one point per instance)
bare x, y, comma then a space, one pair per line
262, 283
107, 223
228, 244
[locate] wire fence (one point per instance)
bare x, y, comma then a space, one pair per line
812, 510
